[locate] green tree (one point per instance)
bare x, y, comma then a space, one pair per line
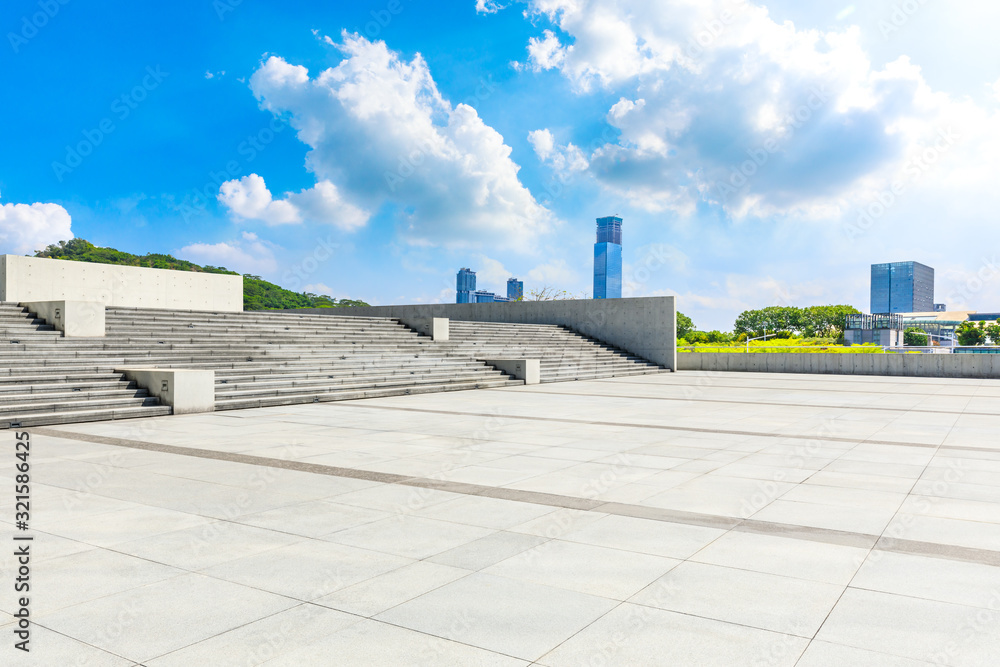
684, 325
914, 336
993, 332
970, 334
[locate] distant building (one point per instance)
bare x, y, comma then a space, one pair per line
466, 292
608, 259
515, 289
940, 307
902, 287
465, 286
881, 329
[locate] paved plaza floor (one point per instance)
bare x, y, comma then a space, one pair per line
681, 519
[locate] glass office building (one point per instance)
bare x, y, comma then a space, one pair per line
515, 289
608, 259
466, 286
902, 287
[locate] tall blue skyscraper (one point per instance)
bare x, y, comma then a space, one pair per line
608, 259
902, 287
465, 286
515, 289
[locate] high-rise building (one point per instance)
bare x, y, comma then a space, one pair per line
465, 286
515, 289
608, 259
902, 287
466, 292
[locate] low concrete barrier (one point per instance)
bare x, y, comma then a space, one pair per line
907, 365
30, 279
75, 319
435, 327
186, 391
644, 326
529, 370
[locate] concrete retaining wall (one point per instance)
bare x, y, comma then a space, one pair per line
910, 365
645, 326
28, 279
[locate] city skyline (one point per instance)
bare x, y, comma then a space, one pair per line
859, 132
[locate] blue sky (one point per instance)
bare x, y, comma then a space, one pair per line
759, 153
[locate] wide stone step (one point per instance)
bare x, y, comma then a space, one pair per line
40, 407
79, 416
222, 391
243, 403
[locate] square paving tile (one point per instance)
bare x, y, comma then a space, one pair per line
511, 617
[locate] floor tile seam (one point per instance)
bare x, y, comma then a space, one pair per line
440, 637
689, 614
42, 624
620, 604
759, 403
686, 429
243, 625
540, 498
874, 546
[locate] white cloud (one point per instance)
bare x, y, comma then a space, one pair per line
545, 53
555, 273
490, 6
380, 130
25, 228
318, 288
247, 255
730, 108
568, 158
249, 199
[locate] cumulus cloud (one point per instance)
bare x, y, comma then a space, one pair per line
25, 228
568, 158
379, 129
490, 6
731, 108
249, 199
249, 254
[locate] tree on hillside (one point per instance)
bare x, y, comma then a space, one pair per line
258, 294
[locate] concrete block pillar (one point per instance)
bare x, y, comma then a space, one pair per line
75, 319
186, 391
529, 370
435, 327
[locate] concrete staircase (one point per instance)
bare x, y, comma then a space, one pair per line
40, 384
564, 354
267, 359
